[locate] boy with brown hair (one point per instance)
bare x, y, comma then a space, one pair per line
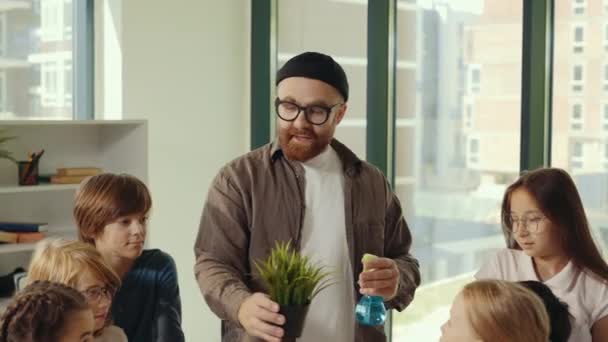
111, 212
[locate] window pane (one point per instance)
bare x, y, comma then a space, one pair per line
578, 72
576, 111
35, 49
578, 6
457, 148
578, 34
582, 151
311, 25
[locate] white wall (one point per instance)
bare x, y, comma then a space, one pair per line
185, 68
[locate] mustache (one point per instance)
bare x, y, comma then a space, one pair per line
305, 132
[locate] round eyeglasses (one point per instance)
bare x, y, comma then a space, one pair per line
94, 294
530, 223
314, 114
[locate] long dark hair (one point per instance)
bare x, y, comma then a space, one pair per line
556, 194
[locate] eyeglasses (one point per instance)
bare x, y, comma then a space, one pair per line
95, 293
531, 223
315, 114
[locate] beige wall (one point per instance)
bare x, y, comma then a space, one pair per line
185, 68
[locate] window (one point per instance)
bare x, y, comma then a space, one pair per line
605, 78
51, 15
67, 91
474, 79
36, 41
582, 152
579, 6
604, 116
67, 18
468, 114
454, 167
48, 87
605, 31
578, 38
578, 78
473, 158
576, 117
577, 156
605, 159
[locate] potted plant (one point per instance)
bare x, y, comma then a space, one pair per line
4, 153
292, 281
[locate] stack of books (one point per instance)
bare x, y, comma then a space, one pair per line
73, 175
22, 232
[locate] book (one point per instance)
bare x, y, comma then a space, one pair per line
11, 237
67, 179
30, 237
78, 171
8, 237
23, 227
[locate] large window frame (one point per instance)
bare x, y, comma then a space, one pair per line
77, 75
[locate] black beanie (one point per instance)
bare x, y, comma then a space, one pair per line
316, 66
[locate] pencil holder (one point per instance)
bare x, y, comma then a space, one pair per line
28, 172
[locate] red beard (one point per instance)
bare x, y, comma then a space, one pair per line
301, 151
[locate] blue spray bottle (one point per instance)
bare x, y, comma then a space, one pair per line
370, 310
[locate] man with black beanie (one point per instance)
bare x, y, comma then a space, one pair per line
308, 188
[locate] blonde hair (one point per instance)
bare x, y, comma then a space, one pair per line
104, 198
501, 311
63, 261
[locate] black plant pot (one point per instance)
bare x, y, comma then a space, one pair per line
294, 319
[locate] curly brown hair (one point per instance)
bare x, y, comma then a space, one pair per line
38, 312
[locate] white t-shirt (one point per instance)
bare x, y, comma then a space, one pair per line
585, 294
111, 333
331, 316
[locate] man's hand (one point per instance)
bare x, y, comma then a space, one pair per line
259, 316
379, 278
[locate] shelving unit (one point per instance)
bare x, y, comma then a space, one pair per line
29, 247
114, 146
13, 189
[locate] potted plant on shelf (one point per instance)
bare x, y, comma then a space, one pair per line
292, 281
4, 153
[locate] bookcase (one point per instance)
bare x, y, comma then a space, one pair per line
119, 146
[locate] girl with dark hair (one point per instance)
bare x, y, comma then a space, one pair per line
549, 240
47, 312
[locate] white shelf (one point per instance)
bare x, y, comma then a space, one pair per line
37, 188
27, 247
34, 122
117, 146
16, 247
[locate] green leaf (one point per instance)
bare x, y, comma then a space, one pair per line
4, 137
7, 155
291, 278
